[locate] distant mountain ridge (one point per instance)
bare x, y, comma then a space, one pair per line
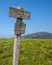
39, 35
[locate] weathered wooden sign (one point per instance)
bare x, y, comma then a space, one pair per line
16, 13
20, 28
19, 14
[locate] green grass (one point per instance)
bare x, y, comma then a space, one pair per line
32, 52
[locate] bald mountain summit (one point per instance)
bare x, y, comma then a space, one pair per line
39, 35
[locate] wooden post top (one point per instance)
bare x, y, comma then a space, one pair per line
20, 8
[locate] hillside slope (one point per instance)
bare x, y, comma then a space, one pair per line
39, 35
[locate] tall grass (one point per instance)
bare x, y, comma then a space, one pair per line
32, 52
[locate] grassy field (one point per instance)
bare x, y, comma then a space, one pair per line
32, 52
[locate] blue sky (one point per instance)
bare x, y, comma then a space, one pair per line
40, 20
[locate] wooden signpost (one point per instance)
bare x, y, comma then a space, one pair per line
19, 29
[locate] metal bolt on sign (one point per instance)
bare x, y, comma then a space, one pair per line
19, 29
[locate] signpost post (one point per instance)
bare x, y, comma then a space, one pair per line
19, 14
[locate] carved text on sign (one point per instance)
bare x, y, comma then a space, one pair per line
18, 13
20, 28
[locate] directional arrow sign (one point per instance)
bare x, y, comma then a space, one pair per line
16, 13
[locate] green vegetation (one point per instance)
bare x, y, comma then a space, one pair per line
32, 52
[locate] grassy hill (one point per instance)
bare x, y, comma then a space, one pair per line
32, 52
39, 35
